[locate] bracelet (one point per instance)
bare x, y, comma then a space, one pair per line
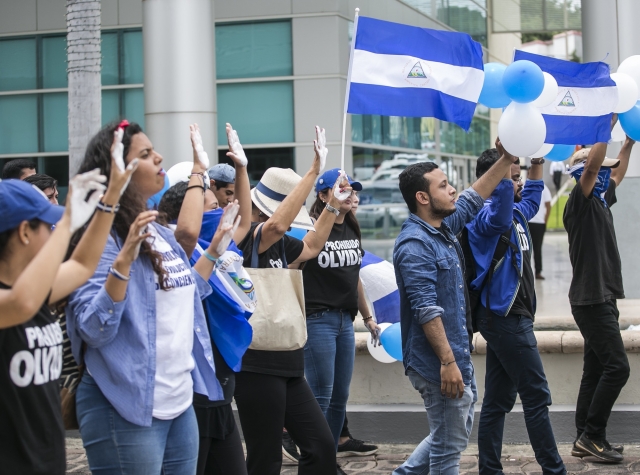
210, 257
447, 364
195, 186
333, 210
105, 208
538, 161
119, 275
365, 320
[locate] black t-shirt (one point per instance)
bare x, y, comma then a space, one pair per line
331, 279
523, 303
278, 363
31, 428
593, 248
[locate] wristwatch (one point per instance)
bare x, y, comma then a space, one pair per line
537, 161
333, 210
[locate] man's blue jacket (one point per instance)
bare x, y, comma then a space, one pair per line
494, 219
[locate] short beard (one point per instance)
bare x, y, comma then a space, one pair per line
437, 211
517, 197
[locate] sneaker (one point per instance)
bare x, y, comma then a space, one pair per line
339, 470
578, 452
599, 449
289, 449
356, 447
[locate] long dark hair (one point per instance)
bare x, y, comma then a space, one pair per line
349, 218
98, 155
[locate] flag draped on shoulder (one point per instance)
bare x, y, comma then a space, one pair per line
379, 281
581, 112
401, 70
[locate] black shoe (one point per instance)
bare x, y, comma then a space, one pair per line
578, 452
599, 449
339, 471
356, 447
289, 449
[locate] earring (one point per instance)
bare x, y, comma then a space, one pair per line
26, 241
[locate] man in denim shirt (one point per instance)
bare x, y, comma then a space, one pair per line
435, 340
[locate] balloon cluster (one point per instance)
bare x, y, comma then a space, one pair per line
522, 89
390, 348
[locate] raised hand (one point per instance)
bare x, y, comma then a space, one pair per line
200, 157
342, 190
120, 176
117, 148
320, 147
236, 152
227, 227
85, 190
137, 233
503, 152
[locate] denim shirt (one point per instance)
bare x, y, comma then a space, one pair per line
431, 284
121, 336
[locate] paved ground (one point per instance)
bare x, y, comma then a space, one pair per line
518, 459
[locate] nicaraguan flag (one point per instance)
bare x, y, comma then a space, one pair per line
581, 113
400, 70
379, 282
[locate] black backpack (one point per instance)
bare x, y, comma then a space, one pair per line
473, 296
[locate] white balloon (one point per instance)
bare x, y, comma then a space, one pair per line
549, 93
179, 172
631, 66
627, 92
379, 353
617, 134
522, 129
545, 149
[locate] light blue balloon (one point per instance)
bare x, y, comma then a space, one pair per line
493, 94
154, 201
391, 339
630, 122
560, 152
523, 81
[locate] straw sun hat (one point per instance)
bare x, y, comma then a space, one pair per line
273, 188
582, 154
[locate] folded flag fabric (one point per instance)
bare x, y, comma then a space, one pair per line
581, 113
401, 70
379, 282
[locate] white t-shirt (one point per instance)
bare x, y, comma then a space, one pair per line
173, 393
546, 198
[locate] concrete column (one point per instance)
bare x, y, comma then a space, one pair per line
179, 75
608, 26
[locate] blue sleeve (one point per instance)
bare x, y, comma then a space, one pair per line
531, 197
415, 261
95, 316
468, 204
495, 217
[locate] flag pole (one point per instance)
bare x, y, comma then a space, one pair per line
346, 96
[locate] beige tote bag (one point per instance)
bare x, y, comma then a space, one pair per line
279, 321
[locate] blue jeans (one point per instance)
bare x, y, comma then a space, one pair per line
328, 363
115, 446
514, 367
450, 424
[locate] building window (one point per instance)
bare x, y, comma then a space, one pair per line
405, 132
455, 140
251, 50
262, 158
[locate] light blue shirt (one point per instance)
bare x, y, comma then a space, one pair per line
121, 336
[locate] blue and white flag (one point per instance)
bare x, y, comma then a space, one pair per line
401, 70
379, 281
581, 113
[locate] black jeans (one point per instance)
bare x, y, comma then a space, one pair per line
606, 367
514, 367
537, 235
266, 404
221, 457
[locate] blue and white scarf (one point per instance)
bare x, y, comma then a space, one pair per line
602, 181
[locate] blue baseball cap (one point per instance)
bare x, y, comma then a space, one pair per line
328, 179
21, 201
223, 172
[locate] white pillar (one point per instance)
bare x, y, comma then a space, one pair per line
179, 76
608, 27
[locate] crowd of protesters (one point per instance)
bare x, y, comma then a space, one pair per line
128, 307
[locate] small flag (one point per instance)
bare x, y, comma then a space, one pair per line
401, 70
379, 281
581, 112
